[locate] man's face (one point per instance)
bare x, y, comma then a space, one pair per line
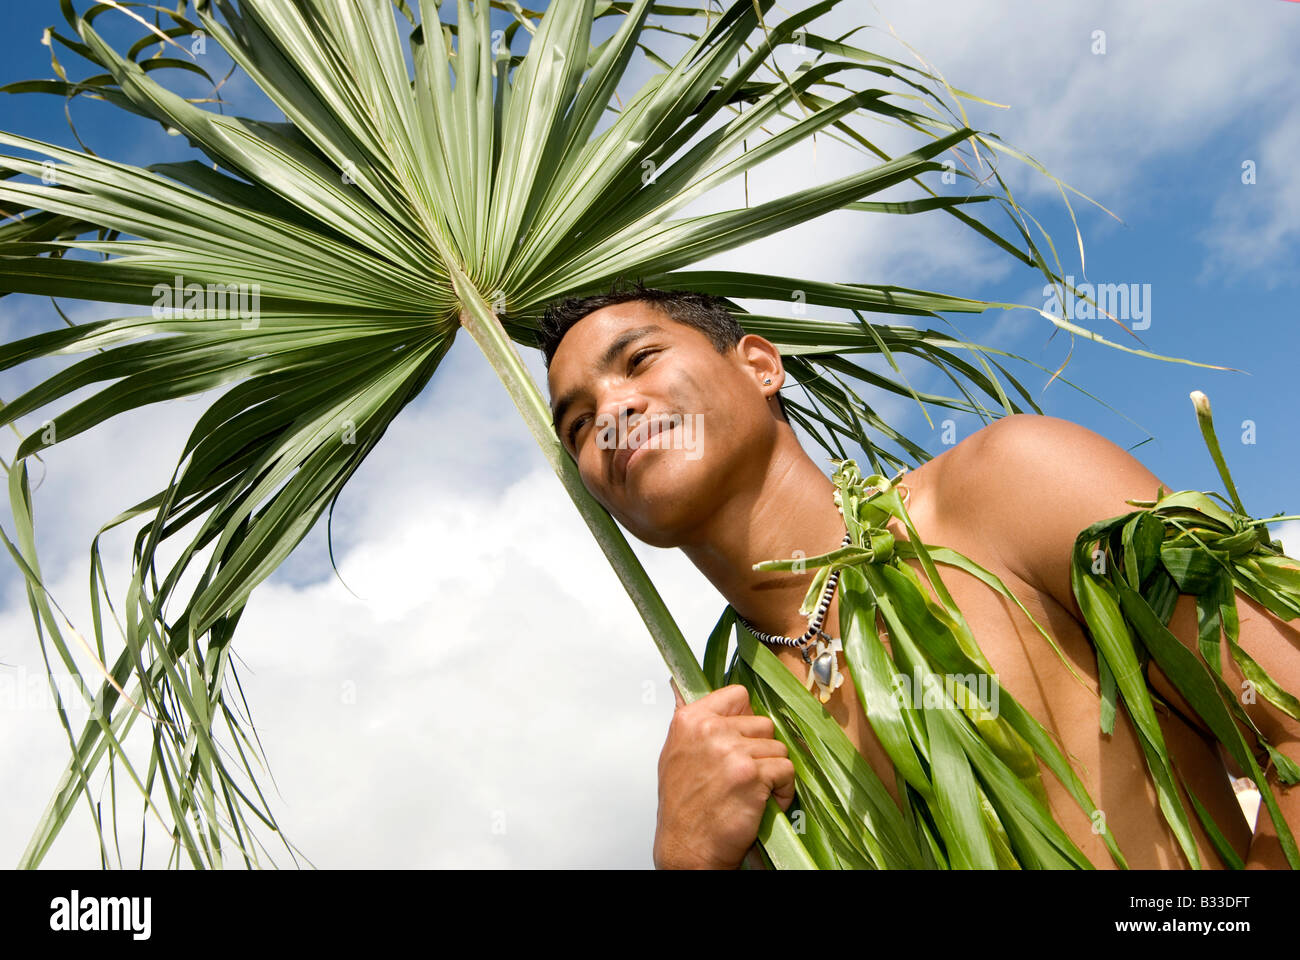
662, 426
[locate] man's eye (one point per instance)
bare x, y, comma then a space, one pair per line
573, 429
636, 357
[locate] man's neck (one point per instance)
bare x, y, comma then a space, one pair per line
789, 508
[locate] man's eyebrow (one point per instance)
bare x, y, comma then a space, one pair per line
611, 354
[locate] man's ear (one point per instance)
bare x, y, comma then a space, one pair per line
763, 361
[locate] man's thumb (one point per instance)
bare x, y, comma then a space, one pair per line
677, 694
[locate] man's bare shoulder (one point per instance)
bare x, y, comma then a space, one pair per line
1026, 485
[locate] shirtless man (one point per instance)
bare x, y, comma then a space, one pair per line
750, 492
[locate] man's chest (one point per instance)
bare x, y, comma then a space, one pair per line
1056, 682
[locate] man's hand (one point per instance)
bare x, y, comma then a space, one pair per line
719, 765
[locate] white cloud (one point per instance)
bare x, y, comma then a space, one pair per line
1172, 74
1174, 84
1255, 227
1289, 533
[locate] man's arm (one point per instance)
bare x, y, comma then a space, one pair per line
1040, 482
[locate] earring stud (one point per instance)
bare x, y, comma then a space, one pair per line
768, 380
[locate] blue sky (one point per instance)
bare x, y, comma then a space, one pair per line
456, 508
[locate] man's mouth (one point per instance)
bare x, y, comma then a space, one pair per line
639, 438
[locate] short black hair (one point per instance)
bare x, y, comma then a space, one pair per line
706, 313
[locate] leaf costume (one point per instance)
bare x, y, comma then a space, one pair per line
965, 753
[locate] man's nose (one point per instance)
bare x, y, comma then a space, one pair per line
618, 416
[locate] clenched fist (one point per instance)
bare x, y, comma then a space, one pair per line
719, 765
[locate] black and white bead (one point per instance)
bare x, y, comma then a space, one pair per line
815, 626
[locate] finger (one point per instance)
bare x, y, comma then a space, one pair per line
759, 728
677, 694
760, 749
778, 774
731, 700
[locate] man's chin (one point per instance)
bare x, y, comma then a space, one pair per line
663, 495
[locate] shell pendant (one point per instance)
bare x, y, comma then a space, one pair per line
824, 667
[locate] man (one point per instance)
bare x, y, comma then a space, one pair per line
672, 414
